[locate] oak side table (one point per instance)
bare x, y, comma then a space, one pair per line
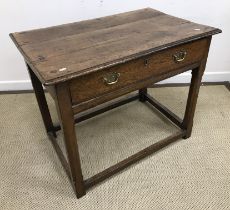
85, 64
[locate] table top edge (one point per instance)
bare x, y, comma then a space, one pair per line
111, 63
129, 58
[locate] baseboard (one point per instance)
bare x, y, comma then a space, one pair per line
182, 78
15, 85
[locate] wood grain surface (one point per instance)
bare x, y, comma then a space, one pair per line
90, 86
60, 53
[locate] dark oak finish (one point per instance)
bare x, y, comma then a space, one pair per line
85, 65
65, 112
92, 45
42, 103
135, 71
197, 74
142, 94
101, 109
127, 89
60, 154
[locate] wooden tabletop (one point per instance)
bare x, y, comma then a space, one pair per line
59, 53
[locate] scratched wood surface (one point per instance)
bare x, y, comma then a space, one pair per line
63, 52
92, 85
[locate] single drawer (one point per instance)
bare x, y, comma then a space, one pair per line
98, 83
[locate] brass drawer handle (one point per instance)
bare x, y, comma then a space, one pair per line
111, 78
179, 56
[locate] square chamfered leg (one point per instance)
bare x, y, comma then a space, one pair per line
192, 101
42, 103
66, 117
197, 74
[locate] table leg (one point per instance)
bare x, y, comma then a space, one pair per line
197, 74
142, 93
66, 116
42, 103
191, 101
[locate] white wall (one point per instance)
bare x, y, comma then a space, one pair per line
26, 14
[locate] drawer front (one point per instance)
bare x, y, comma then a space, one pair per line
96, 84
